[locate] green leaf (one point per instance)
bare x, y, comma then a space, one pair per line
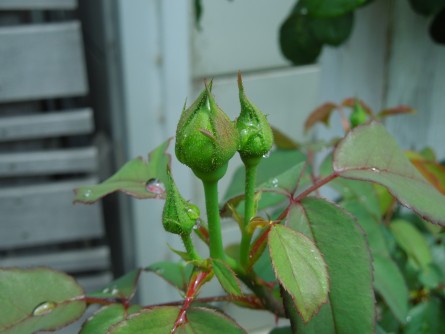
297, 40
124, 287
136, 178
226, 277
300, 268
37, 299
101, 321
278, 162
281, 330
431, 276
370, 153
412, 242
286, 182
344, 248
390, 284
329, 8
426, 7
426, 317
333, 30
160, 320
175, 273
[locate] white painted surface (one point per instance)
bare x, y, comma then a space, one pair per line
239, 35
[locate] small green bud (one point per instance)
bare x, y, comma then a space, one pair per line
358, 115
206, 139
178, 216
256, 136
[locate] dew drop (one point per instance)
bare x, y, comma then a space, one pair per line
87, 193
106, 290
267, 155
275, 182
114, 291
375, 169
155, 186
44, 308
408, 318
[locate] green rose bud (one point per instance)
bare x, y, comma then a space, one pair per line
206, 139
359, 115
256, 136
178, 216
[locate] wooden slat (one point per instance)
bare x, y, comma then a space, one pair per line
38, 214
92, 259
41, 61
63, 123
80, 160
37, 4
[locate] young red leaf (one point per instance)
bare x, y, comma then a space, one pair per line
320, 115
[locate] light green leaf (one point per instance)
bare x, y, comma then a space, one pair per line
390, 284
37, 299
226, 277
160, 320
136, 178
370, 153
300, 268
344, 248
123, 287
426, 317
101, 321
175, 273
412, 242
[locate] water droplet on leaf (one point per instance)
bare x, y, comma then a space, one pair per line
155, 186
267, 155
375, 169
88, 193
44, 308
106, 290
275, 182
114, 291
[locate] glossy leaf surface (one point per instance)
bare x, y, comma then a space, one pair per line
160, 321
370, 153
37, 299
136, 178
300, 268
344, 248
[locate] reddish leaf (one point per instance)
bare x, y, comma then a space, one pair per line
402, 109
283, 141
350, 103
320, 115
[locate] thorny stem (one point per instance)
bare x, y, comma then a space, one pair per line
249, 212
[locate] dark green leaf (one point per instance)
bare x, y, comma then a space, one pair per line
281, 330
329, 8
412, 242
343, 245
333, 30
431, 276
426, 317
390, 284
426, 7
437, 27
226, 278
123, 287
297, 40
370, 153
160, 320
287, 181
101, 321
300, 268
136, 178
175, 273
37, 299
